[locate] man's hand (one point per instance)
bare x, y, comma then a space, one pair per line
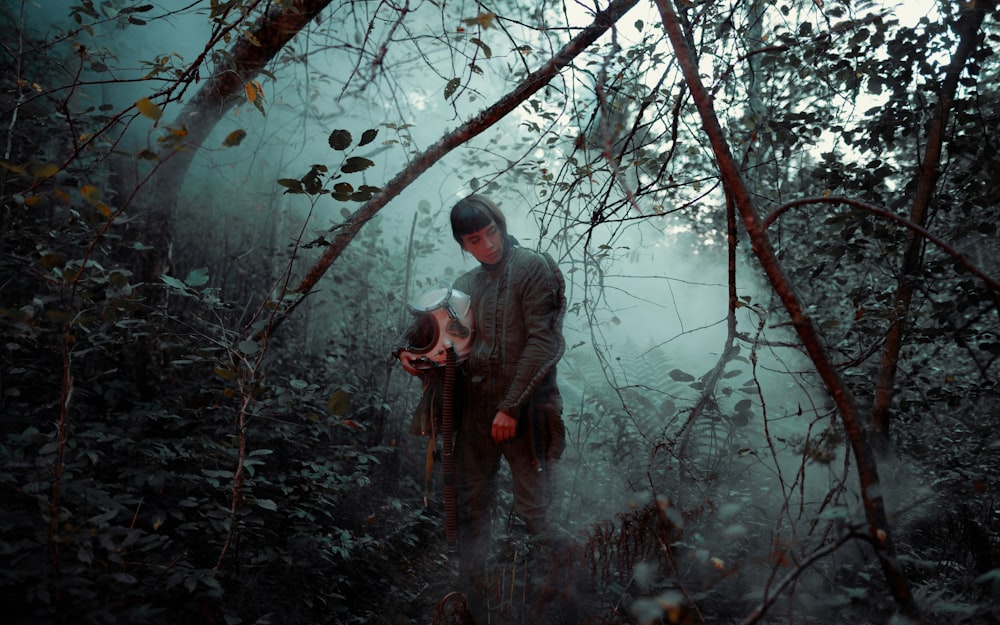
408, 367
504, 427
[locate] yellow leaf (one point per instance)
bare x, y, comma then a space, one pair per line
179, 132
17, 169
483, 20
225, 372
90, 193
31, 200
234, 138
44, 170
148, 108
339, 402
51, 260
251, 92
103, 208
62, 196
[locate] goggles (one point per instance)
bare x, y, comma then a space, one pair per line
443, 319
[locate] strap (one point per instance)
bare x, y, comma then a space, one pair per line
430, 468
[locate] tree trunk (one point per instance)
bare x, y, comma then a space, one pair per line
878, 525
968, 29
205, 109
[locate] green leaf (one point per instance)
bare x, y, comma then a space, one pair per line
449, 89
364, 193
249, 347
991, 577
355, 164
340, 139
102, 518
485, 48
197, 277
681, 376
173, 282
267, 504
368, 136
293, 185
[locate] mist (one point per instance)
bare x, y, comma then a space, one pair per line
212, 433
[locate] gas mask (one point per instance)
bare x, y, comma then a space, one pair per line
443, 319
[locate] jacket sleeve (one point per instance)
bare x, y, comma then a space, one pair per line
541, 291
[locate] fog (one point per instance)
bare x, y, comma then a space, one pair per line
662, 289
761, 457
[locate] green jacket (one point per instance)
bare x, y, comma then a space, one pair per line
518, 307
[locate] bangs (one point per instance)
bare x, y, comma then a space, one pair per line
475, 213
473, 216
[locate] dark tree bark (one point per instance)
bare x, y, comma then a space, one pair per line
857, 435
968, 26
199, 116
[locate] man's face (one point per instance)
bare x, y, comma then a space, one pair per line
486, 244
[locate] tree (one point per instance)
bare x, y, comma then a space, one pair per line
968, 29
252, 453
256, 45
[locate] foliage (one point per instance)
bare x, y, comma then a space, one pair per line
168, 455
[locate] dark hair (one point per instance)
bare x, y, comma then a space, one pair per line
473, 213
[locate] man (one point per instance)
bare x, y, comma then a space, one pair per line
510, 405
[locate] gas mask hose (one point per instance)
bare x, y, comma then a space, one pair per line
447, 454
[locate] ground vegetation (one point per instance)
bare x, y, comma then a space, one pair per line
204, 270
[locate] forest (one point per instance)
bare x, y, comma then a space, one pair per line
776, 219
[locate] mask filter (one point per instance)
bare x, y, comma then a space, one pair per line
442, 318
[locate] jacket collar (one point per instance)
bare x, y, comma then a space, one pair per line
497, 266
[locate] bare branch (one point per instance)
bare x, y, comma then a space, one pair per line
763, 249
461, 135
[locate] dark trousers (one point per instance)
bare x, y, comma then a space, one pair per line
478, 462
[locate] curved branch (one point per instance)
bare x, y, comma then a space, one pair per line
603, 20
967, 27
759, 612
878, 523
